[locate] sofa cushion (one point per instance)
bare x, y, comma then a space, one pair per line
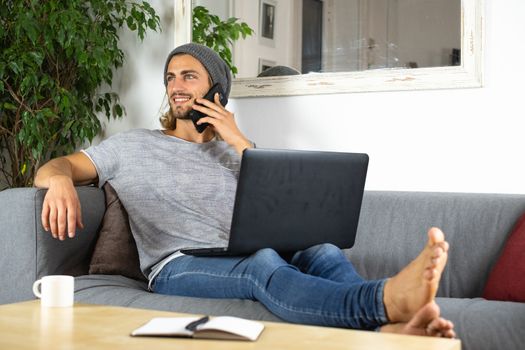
506, 280
115, 251
122, 291
485, 324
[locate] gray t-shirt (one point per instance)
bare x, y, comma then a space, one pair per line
178, 194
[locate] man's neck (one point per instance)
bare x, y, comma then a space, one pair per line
185, 130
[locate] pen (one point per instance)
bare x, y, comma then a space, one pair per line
193, 325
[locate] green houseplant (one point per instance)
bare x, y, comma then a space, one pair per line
54, 57
209, 30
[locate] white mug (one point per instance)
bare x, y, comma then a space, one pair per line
55, 290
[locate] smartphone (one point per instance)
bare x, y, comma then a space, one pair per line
196, 115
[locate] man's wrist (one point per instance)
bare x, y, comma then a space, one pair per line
241, 146
59, 179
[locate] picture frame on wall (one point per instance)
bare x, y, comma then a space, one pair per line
267, 10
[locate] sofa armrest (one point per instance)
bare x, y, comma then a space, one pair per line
27, 252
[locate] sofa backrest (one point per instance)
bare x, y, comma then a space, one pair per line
393, 225
392, 231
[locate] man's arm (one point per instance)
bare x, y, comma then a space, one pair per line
61, 208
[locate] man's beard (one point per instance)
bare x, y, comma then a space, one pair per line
177, 112
180, 113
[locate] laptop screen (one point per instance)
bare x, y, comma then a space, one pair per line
290, 200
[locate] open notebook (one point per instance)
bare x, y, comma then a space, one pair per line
221, 327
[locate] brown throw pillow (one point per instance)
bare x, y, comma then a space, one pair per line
506, 280
115, 251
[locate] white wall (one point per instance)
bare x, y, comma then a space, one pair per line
139, 82
466, 140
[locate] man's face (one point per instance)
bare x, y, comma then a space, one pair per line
187, 80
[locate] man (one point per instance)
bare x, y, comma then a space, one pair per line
178, 187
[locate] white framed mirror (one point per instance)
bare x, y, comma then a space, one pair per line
467, 74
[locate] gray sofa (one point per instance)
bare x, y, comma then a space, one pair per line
392, 230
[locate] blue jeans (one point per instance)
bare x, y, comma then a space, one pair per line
319, 286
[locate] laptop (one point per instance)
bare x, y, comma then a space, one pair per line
290, 200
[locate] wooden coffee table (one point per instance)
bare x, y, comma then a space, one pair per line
28, 326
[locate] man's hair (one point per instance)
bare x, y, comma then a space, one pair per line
168, 120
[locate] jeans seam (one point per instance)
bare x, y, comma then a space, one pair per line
307, 312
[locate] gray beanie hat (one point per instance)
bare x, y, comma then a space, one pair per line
217, 69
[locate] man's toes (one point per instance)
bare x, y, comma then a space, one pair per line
439, 327
439, 250
430, 274
442, 247
435, 235
438, 255
425, 316
436, 325
449, 334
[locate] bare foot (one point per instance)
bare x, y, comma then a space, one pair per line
425, 322
416, 285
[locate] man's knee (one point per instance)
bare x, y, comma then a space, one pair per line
267, 256
328, 248
265, 261
317, 253
324, 250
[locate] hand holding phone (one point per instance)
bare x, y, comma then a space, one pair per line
210, 96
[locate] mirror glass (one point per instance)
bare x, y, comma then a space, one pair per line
352, 45
343, 35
